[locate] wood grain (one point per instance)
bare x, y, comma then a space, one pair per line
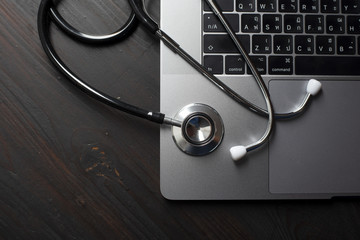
71, 168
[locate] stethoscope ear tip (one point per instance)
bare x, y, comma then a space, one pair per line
238, 152
313, 87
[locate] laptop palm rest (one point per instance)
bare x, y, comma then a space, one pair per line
319, 151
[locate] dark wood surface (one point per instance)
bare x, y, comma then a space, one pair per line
71, 168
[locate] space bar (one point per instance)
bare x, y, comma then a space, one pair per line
315, 65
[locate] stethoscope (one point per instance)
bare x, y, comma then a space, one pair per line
197, 128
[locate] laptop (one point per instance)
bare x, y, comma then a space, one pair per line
313, 156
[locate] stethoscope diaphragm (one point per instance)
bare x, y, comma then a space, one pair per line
201, 131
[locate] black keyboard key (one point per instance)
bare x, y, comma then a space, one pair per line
261, 44
288, 5
283, 44
272, 23
293, 23
314, 24
335, 24
214, 64
309, 6
304, 44
266, 5
234, 65
350, 6
323, 65
225, 5
353, 24
281, 65
260, 64
325, 45
346, 45
245, 5
250, 23
329, 6
212, 23
224, 44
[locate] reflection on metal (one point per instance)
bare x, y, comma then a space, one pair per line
201, 132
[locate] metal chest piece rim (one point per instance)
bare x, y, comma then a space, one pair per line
201, 131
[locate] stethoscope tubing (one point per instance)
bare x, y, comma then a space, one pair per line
127, 29
114, 37
48, 12
44, 34
259, 80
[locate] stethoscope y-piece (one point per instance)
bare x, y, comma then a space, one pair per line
197, 128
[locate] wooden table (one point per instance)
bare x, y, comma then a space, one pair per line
72, 168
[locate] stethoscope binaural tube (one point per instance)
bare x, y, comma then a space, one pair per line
314, 86
237, 152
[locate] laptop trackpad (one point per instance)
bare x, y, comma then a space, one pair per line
318, 152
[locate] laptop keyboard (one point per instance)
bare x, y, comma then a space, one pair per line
285, 37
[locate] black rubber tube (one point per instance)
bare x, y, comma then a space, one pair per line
143, 17
44, 34
122, 33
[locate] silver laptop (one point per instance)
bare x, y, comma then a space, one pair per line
314, 156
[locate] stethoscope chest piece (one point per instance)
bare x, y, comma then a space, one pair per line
201, 131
